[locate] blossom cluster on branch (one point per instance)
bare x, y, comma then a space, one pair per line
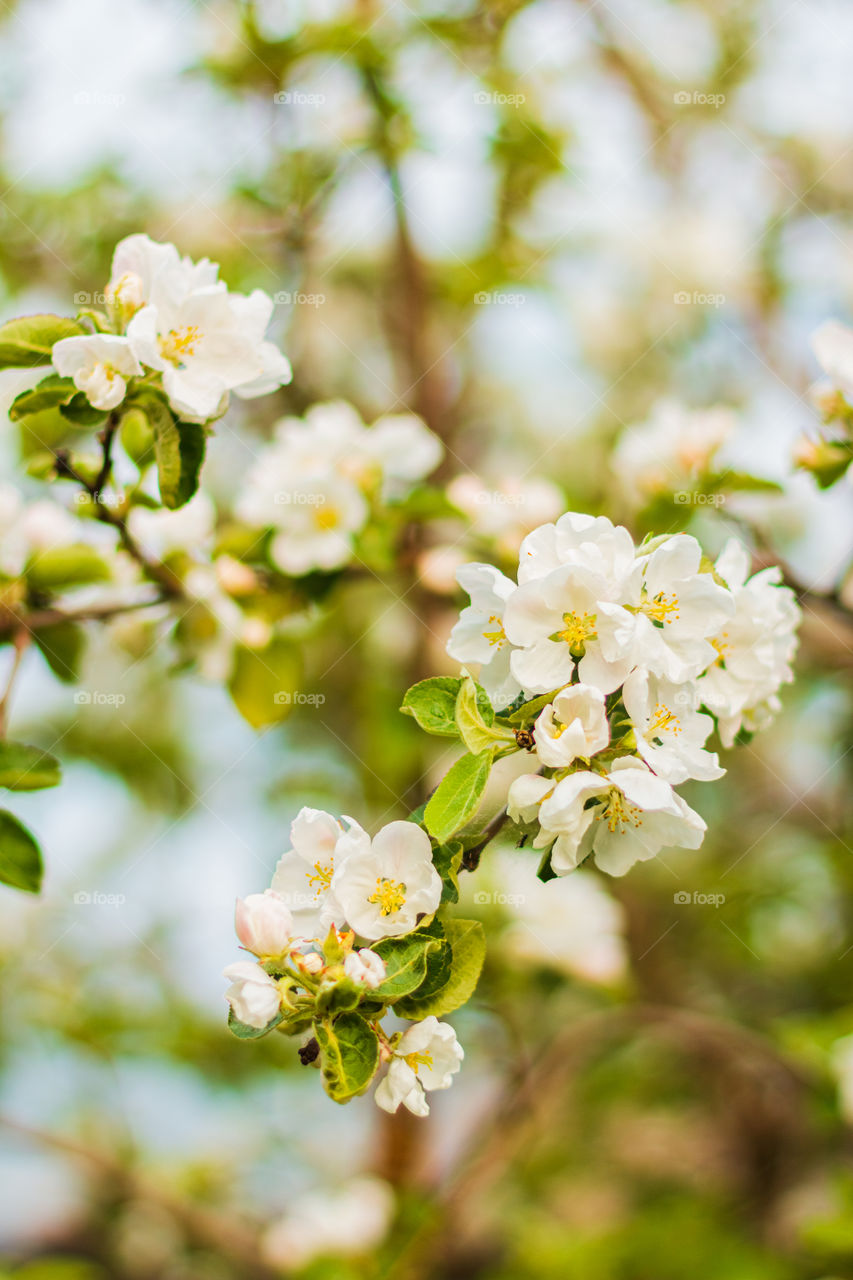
608, 666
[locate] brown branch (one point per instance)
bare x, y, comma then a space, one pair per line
471, 857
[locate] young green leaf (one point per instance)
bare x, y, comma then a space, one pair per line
27, 342
349, 1051
405, 962
432, 703
447, 859
20, 855
475, 732
50, 393
179, 452
457, 796
24, 768
62, 646
466, 941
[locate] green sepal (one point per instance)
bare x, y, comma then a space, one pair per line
244, 1032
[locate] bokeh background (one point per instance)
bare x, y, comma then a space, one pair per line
530, 223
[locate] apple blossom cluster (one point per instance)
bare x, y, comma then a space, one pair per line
613, 664
172, 321
604, 669
350, 929
316, 486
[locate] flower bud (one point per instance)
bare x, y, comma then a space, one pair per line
127, 294
253, 995
366, 967
264, 924
311, 963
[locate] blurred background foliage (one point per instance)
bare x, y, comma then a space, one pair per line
528, 222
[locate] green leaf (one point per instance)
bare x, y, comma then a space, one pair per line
24, 768
62, 646
20, 855
244, 1032
432, 703
264, 681
528, 711
61, 567
458, 795
82, 412
475, 732
405, 962
28, 341
178, 450
51, 392
467, 943
349, 1051
447, 859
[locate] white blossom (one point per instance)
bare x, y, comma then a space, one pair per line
427, 1057
304, 875
508, 510
100, 365
668, 613
753, 651
253, 995
671, 450
670, 731
384, 887
634, 816
479, 636
574, 726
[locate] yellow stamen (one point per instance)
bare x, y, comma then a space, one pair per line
661, 608
723, 647
322, 877
664, 719
415, 1060
619, 814
498, 636
579, 627
178, 344
389, 897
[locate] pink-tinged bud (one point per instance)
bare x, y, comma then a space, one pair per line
313, 962
264, 924
366, 967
